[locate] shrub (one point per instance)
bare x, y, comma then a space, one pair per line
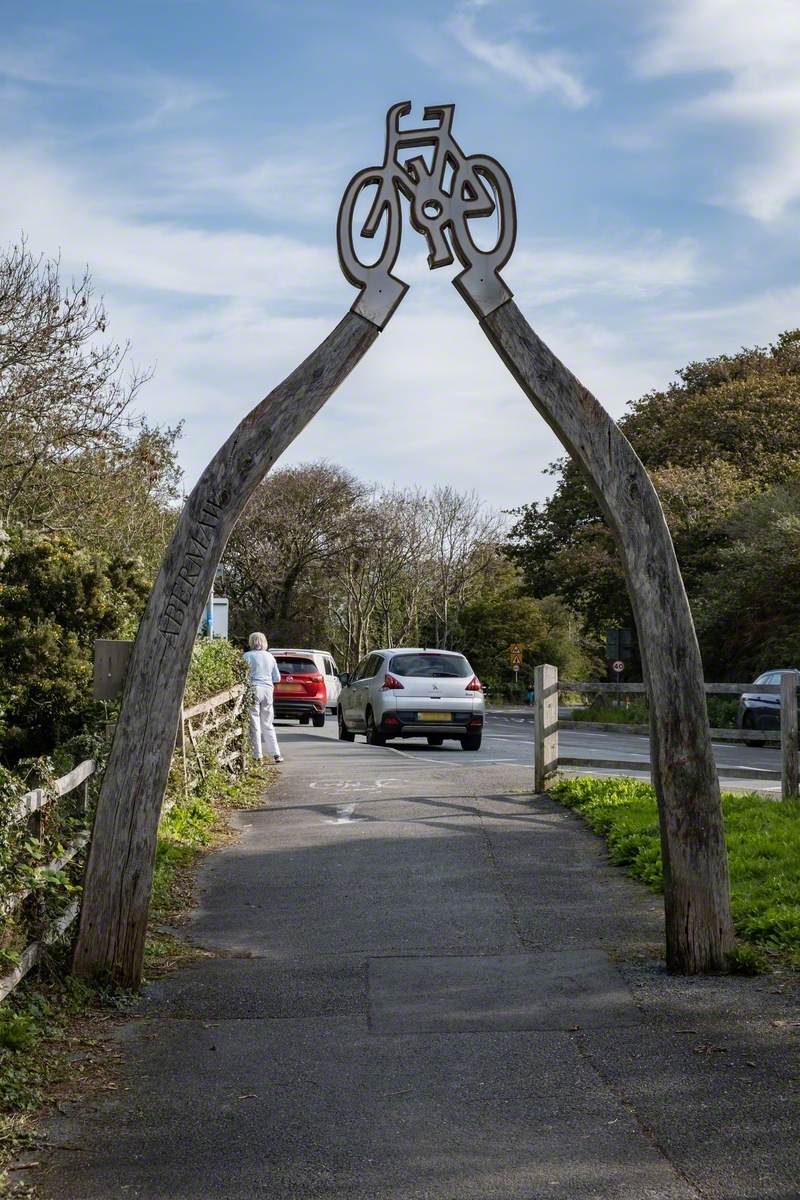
55, 600
216, 666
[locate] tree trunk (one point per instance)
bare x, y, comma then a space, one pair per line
119, 873
699, 930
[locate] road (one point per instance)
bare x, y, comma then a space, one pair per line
508, 739
425, 983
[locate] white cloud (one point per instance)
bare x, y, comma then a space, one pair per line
548, 271
539, 72
226, 313
274, 183
46, 58
753, 49
59, 209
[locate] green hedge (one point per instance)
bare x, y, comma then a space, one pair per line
721, 712
216, 666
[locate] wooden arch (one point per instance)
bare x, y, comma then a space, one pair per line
119, 873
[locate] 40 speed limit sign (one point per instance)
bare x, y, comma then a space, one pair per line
618, 666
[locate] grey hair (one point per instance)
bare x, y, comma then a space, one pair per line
258, 641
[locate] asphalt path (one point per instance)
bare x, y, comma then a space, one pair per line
422, 982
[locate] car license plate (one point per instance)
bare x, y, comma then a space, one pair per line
434, 716
292, 687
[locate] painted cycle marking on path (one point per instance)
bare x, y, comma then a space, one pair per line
352, 785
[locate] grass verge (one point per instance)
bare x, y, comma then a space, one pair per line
190, 830
721, 712
763, 838
56, 1032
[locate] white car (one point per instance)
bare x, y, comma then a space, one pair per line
406, 693
309, 685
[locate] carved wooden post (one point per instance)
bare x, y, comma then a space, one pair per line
119, 872
789, 735
699, 930
545, 699
445, 193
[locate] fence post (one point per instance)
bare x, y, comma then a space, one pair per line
182, 748
789, 735
546, 725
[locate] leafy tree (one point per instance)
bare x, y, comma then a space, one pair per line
502, 613
73, 457
742, 409
748, 609
726, 431
55, 599
300, 524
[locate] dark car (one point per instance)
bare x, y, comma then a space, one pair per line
762, 710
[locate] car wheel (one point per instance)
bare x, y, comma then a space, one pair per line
374, 735
471, 742
435, 739
318, 720
345, 735
749, 722
303, 720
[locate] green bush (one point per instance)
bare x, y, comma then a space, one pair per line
55, 600
216, 666
600, 710
722, 711
763, 839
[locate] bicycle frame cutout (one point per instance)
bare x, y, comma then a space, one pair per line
443, 197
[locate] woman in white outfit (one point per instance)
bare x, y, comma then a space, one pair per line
264, 674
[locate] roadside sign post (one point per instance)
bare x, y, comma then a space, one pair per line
515, 658
618, 666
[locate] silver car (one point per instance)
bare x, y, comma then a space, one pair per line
405, 693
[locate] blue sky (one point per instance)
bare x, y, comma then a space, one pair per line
193, 154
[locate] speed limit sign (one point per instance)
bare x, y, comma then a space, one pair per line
618, 666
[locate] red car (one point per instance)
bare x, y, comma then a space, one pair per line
301, 692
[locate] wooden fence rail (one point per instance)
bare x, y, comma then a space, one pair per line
197, 721
31, 808
548, 726
210, 720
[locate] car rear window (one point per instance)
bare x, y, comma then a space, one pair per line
431, 666
296, 666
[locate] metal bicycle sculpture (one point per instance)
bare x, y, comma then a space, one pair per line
444, 195
446, 192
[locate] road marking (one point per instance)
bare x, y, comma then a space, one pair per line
344, 816
352, 785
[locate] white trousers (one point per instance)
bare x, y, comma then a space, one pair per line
262, 731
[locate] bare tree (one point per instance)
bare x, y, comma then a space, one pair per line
461, 541
64, 394
299, 527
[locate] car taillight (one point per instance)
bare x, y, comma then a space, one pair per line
474, 685
390, 684
317, 677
